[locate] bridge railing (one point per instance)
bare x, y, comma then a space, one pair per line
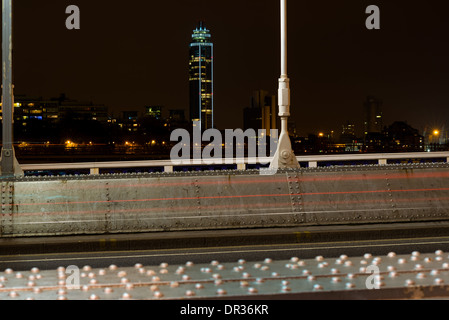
311, 161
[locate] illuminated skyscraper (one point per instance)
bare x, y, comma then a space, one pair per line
201, 77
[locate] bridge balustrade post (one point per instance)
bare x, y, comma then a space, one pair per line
241, 166
313, 164
168, 168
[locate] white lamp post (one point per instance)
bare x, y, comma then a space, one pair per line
284, 156
9, 164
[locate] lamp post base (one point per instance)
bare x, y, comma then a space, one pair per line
284, 158
9, 166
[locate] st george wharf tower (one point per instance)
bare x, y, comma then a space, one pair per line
201, 78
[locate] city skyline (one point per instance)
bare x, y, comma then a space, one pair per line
335, 62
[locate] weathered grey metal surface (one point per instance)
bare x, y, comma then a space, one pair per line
224, 199
411, 276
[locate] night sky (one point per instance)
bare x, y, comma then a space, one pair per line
129, 54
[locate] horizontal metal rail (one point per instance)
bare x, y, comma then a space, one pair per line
168, 165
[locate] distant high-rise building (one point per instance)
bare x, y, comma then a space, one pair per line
348, 129
201, 77
262, 112
154, 112
373, 115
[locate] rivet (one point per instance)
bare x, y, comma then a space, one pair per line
286, 289
252, 290
317, 287
121, 274
221, 292
108, 290
336, 279
199, 286
244, 283
323, 265
418, 267
391, 254
409, 282
335, 271
126, 296
180, 270
129, 286
190, 293
124, 280
421, 275
260, 280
